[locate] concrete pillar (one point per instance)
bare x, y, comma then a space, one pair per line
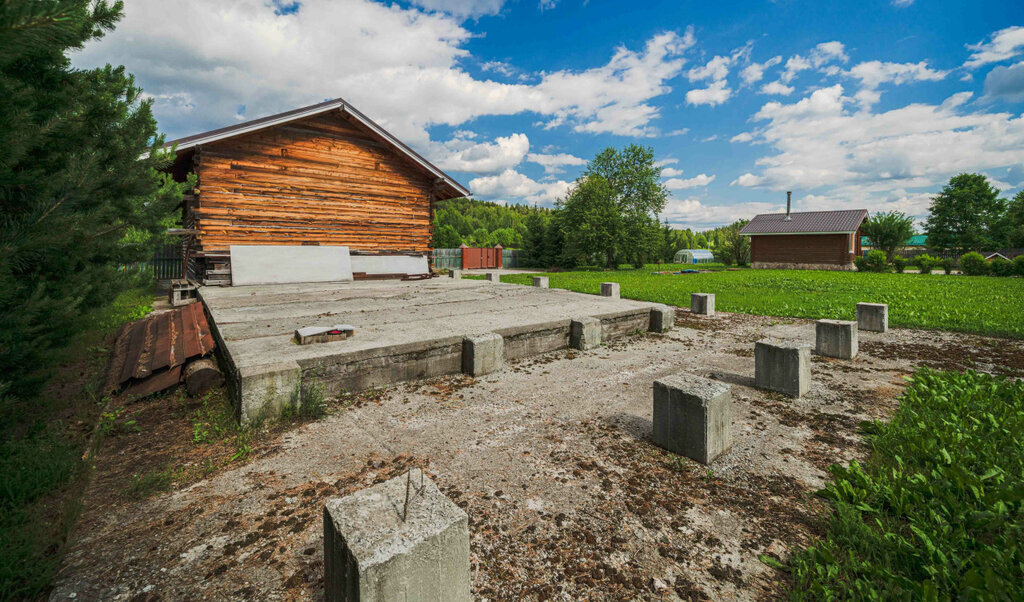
836, 338
540, 281
379, 547
456, 274
265, 391
702, 303
493, 277
663, 318
585, 333
873, 316
483, 354
692, 416
610, 289
782, 366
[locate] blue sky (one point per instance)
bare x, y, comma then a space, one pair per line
850, 105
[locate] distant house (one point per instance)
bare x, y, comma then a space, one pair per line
914, 243
322, 175
814, 240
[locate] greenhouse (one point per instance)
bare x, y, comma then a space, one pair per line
694, 256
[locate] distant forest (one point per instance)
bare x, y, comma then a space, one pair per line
483, 224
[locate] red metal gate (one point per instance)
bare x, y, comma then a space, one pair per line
477, 258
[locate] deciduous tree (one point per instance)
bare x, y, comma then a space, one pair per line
965, 215
888, 231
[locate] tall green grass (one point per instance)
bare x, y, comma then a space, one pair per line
977, 304
937, 510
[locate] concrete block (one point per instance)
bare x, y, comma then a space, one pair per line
483, 354
455, 274
391, 264
782, 366
663, 318
378, 548
267, 389
324, 334
493, 277
836, 338
873, 316
540, 281
585, 333
280, 264
692, 416
702, 303
610, 289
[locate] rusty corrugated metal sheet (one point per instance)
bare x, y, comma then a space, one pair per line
149, 353
806, 222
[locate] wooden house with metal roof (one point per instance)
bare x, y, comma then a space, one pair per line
814, 240
319, 175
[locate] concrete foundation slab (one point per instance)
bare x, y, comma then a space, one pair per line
692, 416
610, 289
663, 318
540, 281
483, 354
836, 338
873, 317
585, 333
782, 366
399, 540
405, 330
702, 303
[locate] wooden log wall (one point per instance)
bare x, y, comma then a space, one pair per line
801, 248
322, 180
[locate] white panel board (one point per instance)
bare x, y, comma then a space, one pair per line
280, 264
390, 264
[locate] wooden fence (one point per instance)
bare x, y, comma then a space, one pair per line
167, 262
451, 259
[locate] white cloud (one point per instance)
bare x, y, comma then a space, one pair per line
512, 185
459, 154
742, 137
794, 65
710, 138
1005, 83
555, 163
462, 8
828, 52
694, 182
715, 69
754, 72
1004, 44
858, 155
778, 88
692, 213
670, 172
715, 94
399, 65
902, 3
874, 73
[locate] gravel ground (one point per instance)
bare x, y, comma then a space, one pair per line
567, 497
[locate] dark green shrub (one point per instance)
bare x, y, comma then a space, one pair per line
899, 264
860, 263
1000, 267
973, 264
947, 265
925, 263
935, 512
876, 262
1018, 265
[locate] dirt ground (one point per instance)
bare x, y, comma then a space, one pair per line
567, 497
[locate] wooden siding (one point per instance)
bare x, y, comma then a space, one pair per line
801, 248
322, 180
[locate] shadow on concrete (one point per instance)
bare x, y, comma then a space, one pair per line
732, 378
637, 426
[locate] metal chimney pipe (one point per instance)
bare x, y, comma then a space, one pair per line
789, 202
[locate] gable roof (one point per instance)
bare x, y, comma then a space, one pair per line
337, 104
807, 222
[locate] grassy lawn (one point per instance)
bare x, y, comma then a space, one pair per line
937, 511
977, 304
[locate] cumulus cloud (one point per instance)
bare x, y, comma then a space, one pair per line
670, 172
694, 182
462, 8
715, 94
874, 73
555, 163
1005, 83
716, 71
693, 213
742, 137
399, 65
460, 154
819, 143
828, 52
777, 88
512, 185
754, 72
1003, 44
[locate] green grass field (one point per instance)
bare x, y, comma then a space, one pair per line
977, 304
